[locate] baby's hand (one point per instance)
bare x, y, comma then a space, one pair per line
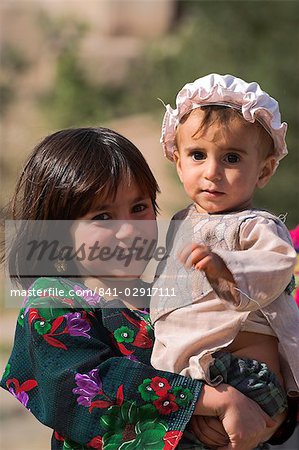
202, 258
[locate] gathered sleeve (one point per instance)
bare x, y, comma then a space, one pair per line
68, 369
263, 265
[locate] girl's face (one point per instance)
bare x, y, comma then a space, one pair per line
115, 239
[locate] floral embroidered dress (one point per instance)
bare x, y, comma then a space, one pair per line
84, 370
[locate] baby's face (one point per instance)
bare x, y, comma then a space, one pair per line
221, 166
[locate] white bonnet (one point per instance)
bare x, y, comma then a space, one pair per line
226, 90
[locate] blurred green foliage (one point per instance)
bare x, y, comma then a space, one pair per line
74, 100
13, 64
254, 40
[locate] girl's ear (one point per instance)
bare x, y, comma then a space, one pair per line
267, 169
177, 160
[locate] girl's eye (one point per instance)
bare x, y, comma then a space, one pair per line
102, 216
232, 158
139, 208
198, 156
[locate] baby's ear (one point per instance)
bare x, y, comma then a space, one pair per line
176, 156
177, 160
266, 171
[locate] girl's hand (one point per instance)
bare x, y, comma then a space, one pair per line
201, 257
245, 423
209, 430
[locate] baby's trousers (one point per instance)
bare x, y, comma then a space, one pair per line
253, 379
250, 377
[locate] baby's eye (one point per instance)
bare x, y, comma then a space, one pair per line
102, 216
232, 158
198, 156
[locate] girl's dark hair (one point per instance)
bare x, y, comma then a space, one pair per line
65, 173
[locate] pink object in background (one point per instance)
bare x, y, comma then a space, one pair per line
295, 238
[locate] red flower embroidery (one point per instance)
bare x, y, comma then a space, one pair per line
171, 439
96, 442
166, 405
160, 386
58, 436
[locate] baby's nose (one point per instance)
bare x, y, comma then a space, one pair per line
212, 170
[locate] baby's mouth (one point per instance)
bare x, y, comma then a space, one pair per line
212, 192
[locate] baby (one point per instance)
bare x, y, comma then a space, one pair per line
233, 319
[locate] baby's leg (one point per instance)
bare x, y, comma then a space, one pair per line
254, 380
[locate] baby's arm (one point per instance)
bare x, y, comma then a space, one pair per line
203, 258
256, 273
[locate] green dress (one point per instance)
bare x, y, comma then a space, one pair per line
83, 369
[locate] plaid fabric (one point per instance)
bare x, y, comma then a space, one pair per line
253, 379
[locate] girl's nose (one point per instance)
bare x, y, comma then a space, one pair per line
212, 170
125, 230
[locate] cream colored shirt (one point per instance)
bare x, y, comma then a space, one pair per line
201, 319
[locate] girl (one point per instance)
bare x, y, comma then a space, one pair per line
81, 361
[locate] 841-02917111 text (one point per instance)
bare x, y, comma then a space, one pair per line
137, 292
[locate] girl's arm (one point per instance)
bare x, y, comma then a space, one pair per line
66, 371
244, 422
83, 381
79, 387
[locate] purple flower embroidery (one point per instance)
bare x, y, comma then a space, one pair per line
131, 357
144, 311
23, 397
20, 391
92, 300
76, 325
89, 385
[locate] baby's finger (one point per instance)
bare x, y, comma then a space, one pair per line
185, 252
203, 262
195, 257
200, 257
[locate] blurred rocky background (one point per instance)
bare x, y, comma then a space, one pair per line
68, 63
